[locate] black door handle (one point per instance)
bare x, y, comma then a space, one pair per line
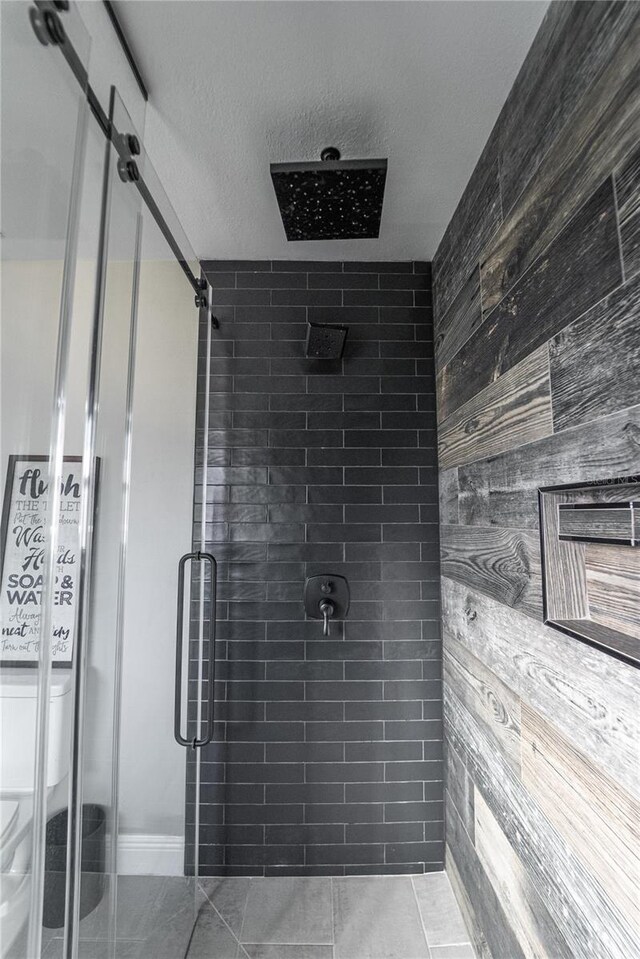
211, 672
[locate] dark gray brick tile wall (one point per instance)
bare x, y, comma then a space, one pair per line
327, 757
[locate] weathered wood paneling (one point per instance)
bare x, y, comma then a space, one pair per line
495, 928
613, 587
473, 496
559, 272
506, 485
475, 219
627, 181
448, 490
560, 285
604, 636
567, 587
586, 917
503, 563
460, 788
471, 921
586, 523
599, 819
575, 44
585, 383
461, 319
510, 412
485, 696
589, 696
537, 934
603, 131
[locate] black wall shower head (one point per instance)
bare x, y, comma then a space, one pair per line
332, 199
325, 342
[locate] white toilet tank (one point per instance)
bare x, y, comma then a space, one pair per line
18, 701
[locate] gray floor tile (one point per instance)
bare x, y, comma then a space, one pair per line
136, 897
96, 924
289, 952
377, 919
465, 951
289, 911
18, 949
211, 937
279, 918
53, 949
96, 949
439, 910
229, 897
172, 920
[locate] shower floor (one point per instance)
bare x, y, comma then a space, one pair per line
384, 917
352, 918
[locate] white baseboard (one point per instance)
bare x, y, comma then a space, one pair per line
142, 855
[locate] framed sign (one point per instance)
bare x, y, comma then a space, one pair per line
22, 561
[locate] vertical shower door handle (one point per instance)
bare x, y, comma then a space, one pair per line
211, 672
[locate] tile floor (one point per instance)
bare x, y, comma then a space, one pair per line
353, 918
386, 917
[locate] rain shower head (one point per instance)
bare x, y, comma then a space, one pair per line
331, 200
325, 342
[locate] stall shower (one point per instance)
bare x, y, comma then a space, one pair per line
319, 568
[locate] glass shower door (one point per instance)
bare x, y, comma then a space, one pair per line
100, 814
111, 350
44, 123
141, 895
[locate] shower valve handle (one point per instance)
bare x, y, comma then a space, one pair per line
327, 609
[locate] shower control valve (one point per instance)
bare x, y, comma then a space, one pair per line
327, 609
318, 605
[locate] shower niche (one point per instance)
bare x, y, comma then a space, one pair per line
590, 537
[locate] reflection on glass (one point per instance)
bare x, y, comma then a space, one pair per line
96, 447
130, 774
43, 128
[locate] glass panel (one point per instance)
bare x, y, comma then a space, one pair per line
89, 471
43, 136
156, 881
152, 878
93, 801
130, 887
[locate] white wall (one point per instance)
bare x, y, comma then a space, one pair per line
152, 764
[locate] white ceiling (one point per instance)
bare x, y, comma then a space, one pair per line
237, 85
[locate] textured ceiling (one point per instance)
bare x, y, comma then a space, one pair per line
237, 85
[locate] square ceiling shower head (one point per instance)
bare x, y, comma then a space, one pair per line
325, 342
333, 199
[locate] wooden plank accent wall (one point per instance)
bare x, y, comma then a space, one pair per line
600, 820
537, 299
516, 409
527, 912
504, 563
566, 682
613, 576
486, 697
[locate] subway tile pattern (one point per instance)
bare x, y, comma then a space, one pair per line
327, 757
